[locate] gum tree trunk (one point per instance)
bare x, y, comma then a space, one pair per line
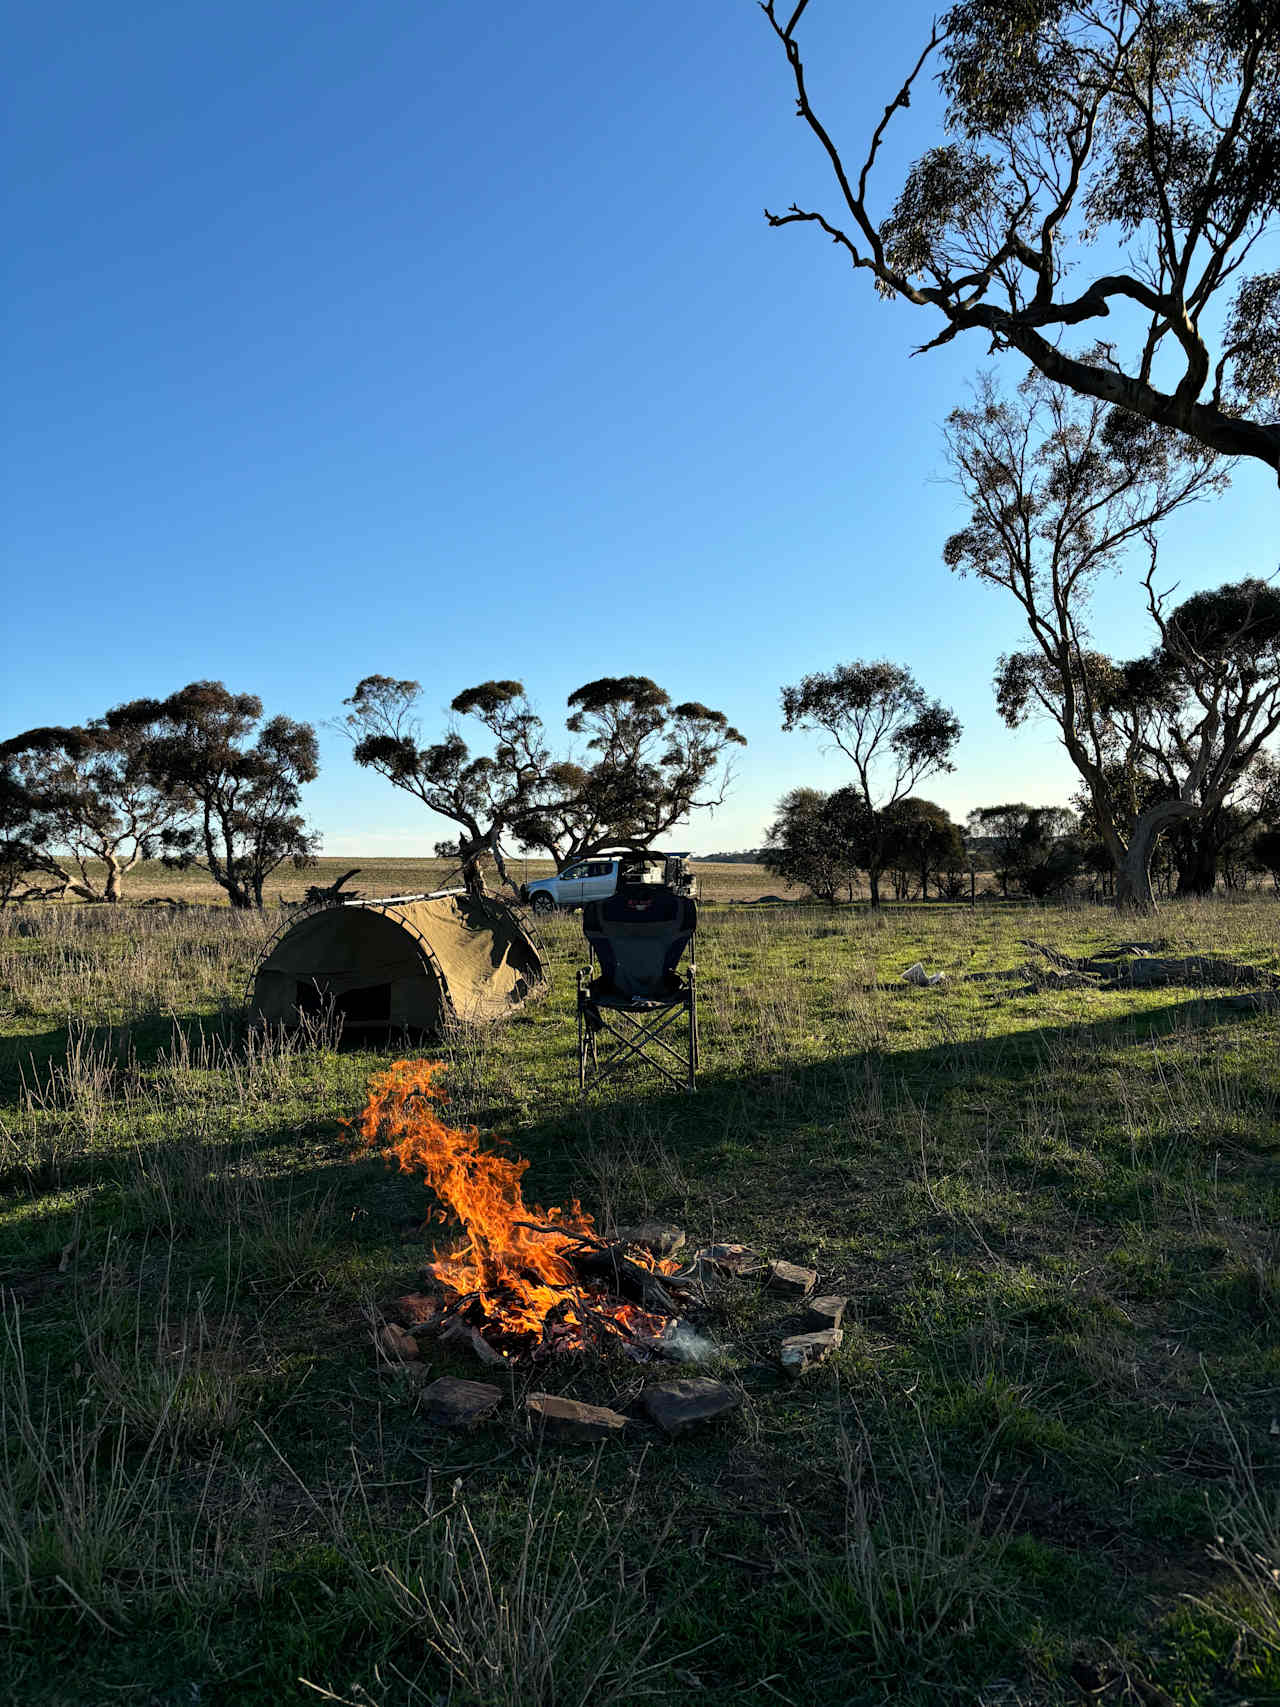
1133, 870
115, 877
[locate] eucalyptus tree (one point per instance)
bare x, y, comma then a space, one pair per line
649, 763
1035, 847
479, 793
238, 777
641, 765
819, 841
1061, 489
892, 733
922, 842
1168, 737
1100, 158
102, 807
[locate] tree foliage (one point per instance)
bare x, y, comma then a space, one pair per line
647, 766
101, 808
209, 750
921, 842
1037, 849
643, 766
25, 854
1142, 133
819, 841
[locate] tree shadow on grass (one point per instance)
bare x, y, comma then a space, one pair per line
778, 1123
821, 1136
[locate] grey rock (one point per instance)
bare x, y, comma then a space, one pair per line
568, 1419
731, 1259
679, 1405
659, 1238
790, 1277
802, 1351
455, 1403
827, 1312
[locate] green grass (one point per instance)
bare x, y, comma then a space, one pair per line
1041, 1462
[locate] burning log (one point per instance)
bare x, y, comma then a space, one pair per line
660, 1238
458, 1330
611, 1263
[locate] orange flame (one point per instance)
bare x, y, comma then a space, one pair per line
510, 1275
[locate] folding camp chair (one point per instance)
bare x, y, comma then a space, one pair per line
635, 1006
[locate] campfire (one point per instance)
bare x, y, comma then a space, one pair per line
520, 1280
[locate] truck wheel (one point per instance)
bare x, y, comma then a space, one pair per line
543, 903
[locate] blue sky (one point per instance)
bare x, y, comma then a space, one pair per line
450, 342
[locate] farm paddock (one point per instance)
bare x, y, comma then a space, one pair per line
1040, 1467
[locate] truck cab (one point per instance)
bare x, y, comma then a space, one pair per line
596, 878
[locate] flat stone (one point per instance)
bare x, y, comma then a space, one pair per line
659, 1238
459, 1404
678, 1405
568, 1419
400, 1347
732, 1259
790, 1277
826, 1312
802, 1351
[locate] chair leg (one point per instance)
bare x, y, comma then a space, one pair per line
629, 1039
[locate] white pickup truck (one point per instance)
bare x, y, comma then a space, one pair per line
595, 879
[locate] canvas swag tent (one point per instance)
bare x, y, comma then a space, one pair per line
412, 963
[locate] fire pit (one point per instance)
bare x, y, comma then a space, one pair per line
522, 1281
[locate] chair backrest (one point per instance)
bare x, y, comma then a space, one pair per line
638, 935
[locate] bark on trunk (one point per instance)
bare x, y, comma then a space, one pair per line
1133, 870
500, 864
111, 889
470, 856
873, 883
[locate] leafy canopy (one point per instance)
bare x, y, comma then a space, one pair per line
243, 777
1102, 157
645, 763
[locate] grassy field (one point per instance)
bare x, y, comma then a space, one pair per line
1043, 1467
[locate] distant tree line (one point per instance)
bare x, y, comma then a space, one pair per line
1012, 850
202, 779
1169, 748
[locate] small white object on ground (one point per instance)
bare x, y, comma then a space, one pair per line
917, 975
